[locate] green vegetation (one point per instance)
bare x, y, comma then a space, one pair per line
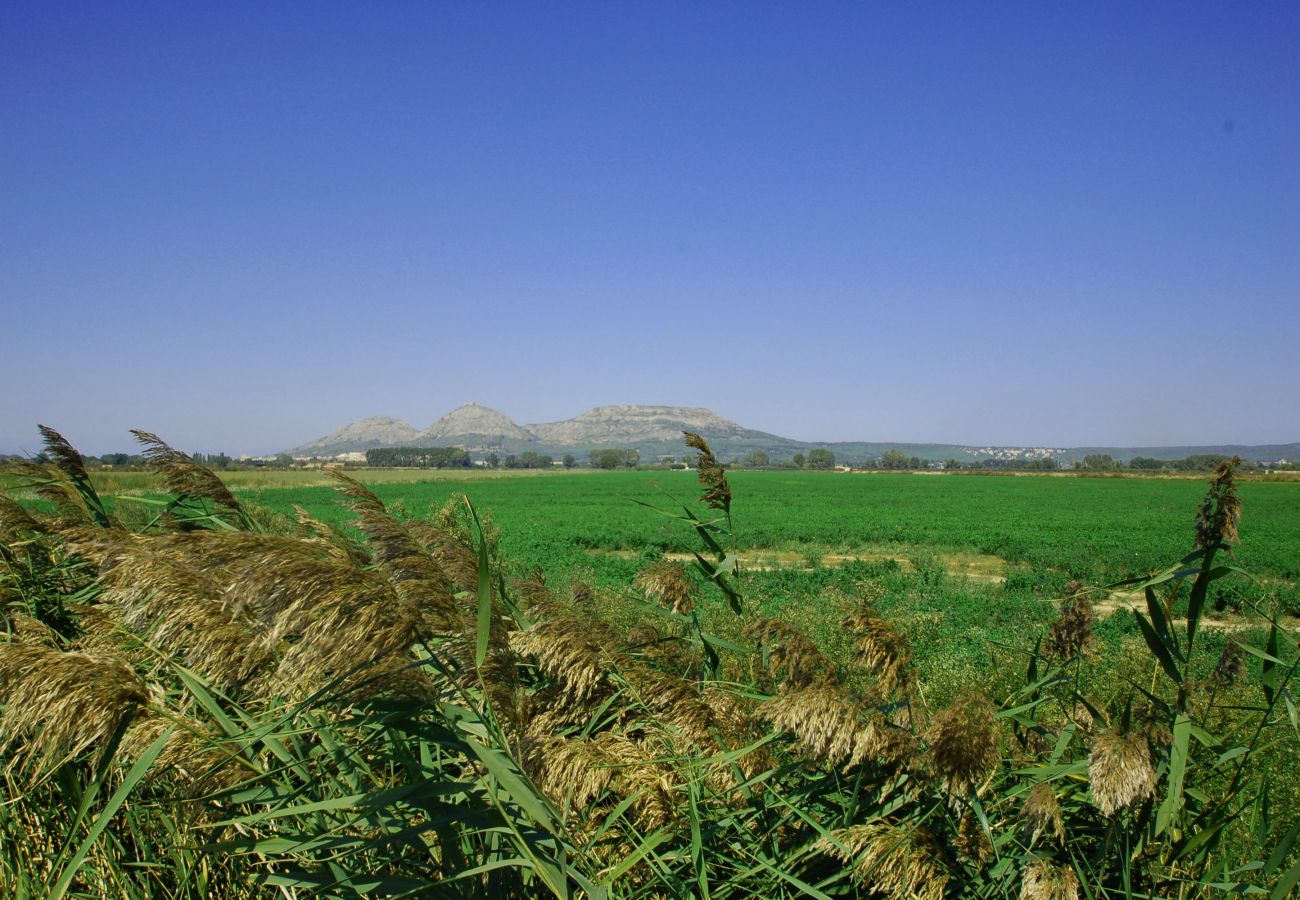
852, 686
425, 457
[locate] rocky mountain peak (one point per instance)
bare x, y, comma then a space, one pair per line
477, 421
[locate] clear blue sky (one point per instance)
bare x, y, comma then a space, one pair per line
241, 226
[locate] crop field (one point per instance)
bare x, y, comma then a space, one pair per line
645, 684
970, 564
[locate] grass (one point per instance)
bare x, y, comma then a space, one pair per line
402, 695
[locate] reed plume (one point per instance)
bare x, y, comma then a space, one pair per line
789, 655
1220, 512
717, 492
881, 649
17, 520
185, 477
58, 704
1230, 666
1042, 812
964, 742
831, 727
666, 582
1045, 880
1119, 770
1071, 633
972, 841
891, 859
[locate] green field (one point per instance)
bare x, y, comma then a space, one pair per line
889, 666
969, 565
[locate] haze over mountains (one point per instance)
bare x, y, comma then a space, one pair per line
657, 431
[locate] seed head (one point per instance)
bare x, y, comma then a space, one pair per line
1044, 880
1119, 769
1071, 633
1043, 813
1232, 662
972, 841
882, 649
964, 742
666, 582
1220, 512
892, 860
717, 493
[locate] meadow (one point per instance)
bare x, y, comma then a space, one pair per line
610, 684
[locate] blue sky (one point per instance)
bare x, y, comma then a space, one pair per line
241, 226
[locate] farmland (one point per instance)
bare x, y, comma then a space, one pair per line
970, 564
644, 684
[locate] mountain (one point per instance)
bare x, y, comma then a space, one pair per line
376, 431
657, 431
472, 425
613, 426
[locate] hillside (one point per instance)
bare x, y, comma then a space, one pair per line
656, 431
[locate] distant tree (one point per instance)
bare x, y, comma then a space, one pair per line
631, 458
894, 459
493, 461
758, 460
952, 465
1100, 462
418, 457
798, 460
1145, 462
115, 459
569, 461
821, 458
606, 459
512, 461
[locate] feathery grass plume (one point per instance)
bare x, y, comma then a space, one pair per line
964, 742
185, 477
58, 704
342, 635
1044, 880
68, 461
829, 726
572, 771
391, 542
717, 493
673, 701
192, 753
786, 649
1119, 770
27, 629
178, 603
51, 485
16, 519
1071, 634
1220, 512
671, 652
641, 775
1153, 725
582, 597
891, 859
882, 649
336, 541
1042, 813
568, 650
972, 841
1231, 663
666, 582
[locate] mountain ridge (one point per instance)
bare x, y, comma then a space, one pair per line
656, 431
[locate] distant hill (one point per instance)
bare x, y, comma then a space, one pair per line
376, 431
656, 431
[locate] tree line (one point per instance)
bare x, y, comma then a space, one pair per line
418, 457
